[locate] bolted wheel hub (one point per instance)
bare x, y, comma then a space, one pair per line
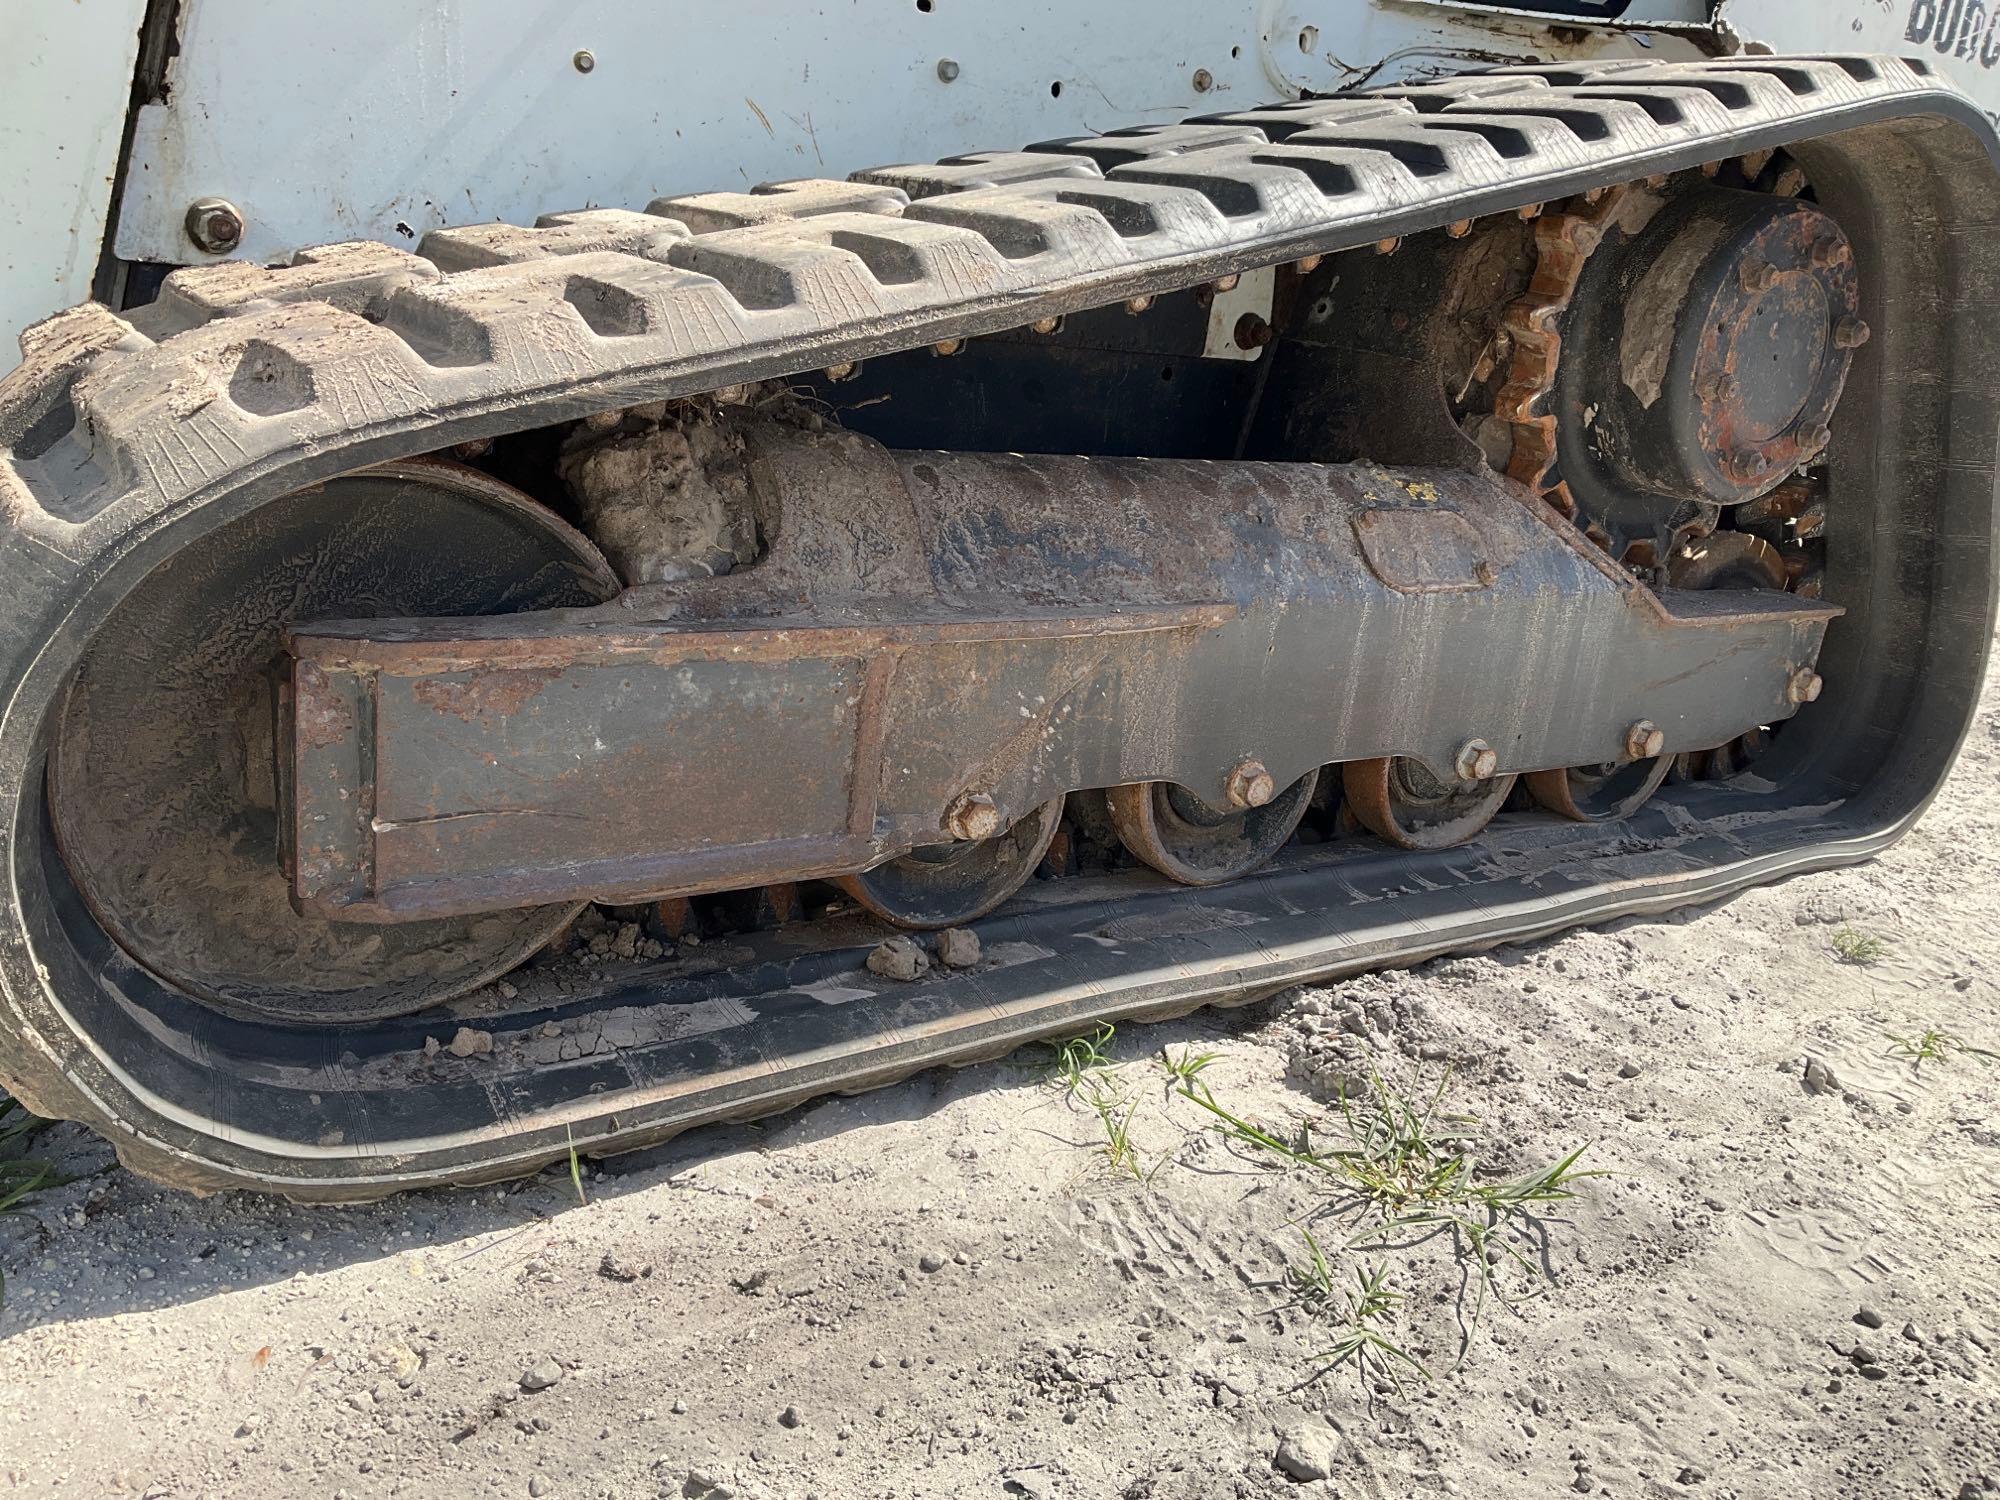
1705, 350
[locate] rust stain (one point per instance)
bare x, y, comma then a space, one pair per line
495, 695
319, 716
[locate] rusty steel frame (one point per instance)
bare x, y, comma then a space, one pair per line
1008, 628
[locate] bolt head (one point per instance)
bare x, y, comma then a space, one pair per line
1252, 332
1045, 325
1458, 229
1758, 275
1137, 304
584, 60
215, 225
1814, 438
1644, 740
842, 371
947, 69
947, 346
1825, 251
1203, 80
1305, 265
1804, 686
1250, 785
1476, 761
972, 816
1851, 333
1389, 246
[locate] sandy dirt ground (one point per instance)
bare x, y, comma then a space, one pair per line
1785, 1281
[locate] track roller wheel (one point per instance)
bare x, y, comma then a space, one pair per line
942, 885
1599, 794
1186, 840
1399, 800
163, 781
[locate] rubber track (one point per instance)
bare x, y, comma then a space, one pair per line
243, 382
238, 367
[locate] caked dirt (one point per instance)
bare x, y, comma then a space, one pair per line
1784, 1281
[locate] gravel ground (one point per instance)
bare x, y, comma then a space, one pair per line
1785, 1281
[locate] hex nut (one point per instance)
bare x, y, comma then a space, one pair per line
1758, 276
845, 370
1851, 333
947, 70
1476, 761
1804, 686
973, 816
584, 61
1644, 740
1045, 325
1250, 785
215, 225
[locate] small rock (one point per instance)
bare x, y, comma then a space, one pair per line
1819, 1078
1574, 1079
1628, 1070
899, 958
1874, 1372
471, 1043
432, 1047
1914, 1334
790, 1417
698, 1486
539, 1377
249, 1425
679, 1408
930, 1260
537, 1486
1307, 1452
958, 947
1690, 1475
614, 1268
1867, 1317
1582, 1484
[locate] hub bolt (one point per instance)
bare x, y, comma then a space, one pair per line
1814, 438
1759, 275
215, 225
1717, 387
1250, 785
973, 816
1754, 462
1644, 740
1476, 761
1850, 333
1825, 251
1804, 686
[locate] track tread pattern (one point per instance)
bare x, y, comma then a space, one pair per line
363, 337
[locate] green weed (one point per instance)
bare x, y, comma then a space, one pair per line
1933, 1045
1857, 947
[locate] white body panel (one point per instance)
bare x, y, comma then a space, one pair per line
329, 120
65, 82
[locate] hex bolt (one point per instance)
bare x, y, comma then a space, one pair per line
1716, 386
947, 346
215, 225
845, 370
584, 60
1851, 333
1804, 686
973, 816
1137, 305
1045, 325
1225, 283
1389, 246
1203, 80
1305, 265
1250, 785
1252, 332
1644, 740
1814, 438
1754, 462
1529, 211
731, 395
604, 421
1476, 761
1825, 251
1458, 229
1758, 276
946, 70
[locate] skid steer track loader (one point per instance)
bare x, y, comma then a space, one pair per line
472, 699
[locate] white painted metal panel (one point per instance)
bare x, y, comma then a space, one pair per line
382, 119
1961, 38
65, 80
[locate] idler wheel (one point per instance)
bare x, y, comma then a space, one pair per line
163, 783
1186, 840
942, 885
